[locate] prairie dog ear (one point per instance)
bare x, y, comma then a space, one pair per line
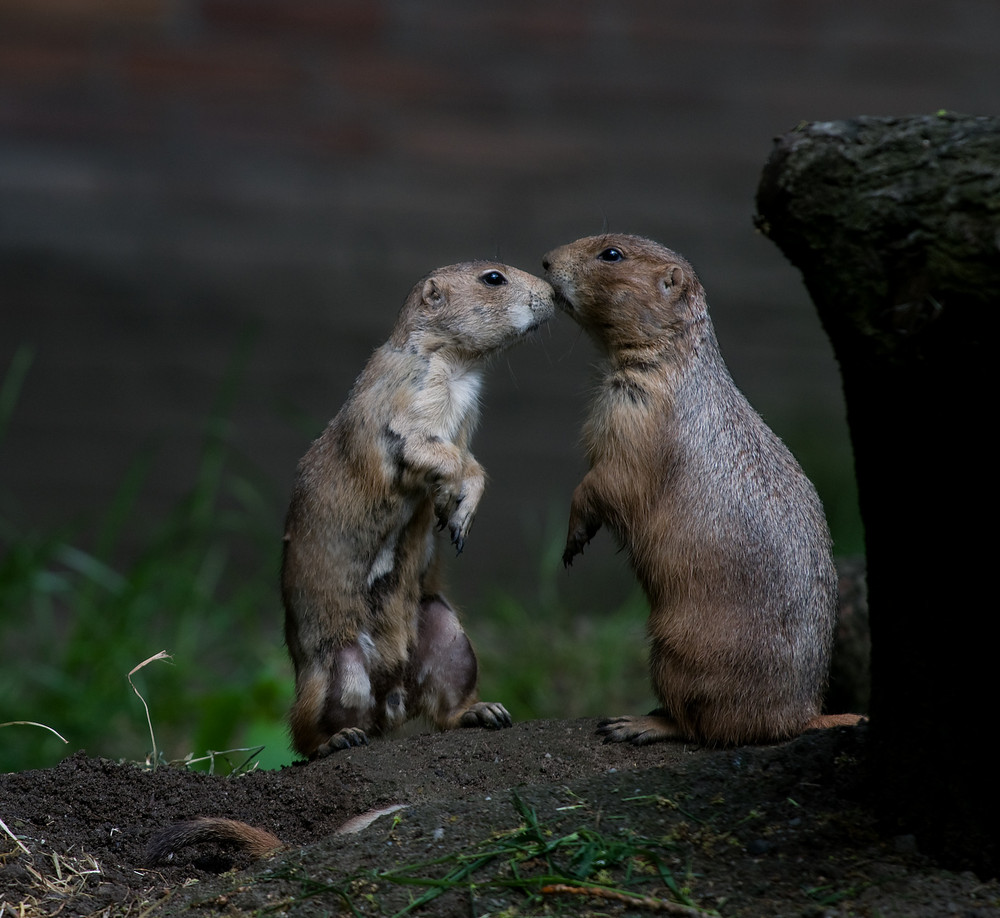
673, 277
432, 294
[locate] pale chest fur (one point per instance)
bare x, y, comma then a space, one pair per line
448, 402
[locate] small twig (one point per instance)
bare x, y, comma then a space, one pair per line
190, 759
650, 902
17, 841
162, 655
31, 723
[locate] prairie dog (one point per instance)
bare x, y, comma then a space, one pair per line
240, 835
255, 842
724, 531
372, 640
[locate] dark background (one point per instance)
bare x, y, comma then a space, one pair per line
178, 177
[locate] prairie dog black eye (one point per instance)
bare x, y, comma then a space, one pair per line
493, 279
611, 254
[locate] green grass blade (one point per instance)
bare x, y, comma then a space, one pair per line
13, 380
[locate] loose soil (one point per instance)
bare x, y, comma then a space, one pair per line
779, 830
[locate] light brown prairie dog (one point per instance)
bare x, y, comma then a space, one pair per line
723, 529
373, 641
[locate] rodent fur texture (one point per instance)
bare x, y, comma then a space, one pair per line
724, 531
373, 641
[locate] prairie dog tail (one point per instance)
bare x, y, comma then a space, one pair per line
825, 721
168, 841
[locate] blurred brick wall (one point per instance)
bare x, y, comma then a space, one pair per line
174, 175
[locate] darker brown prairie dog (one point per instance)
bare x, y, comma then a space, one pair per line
372, 640
167, 842
723, 529
240, 836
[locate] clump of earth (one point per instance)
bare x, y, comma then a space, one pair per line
539, 819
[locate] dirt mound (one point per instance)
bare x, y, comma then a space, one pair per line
493, 821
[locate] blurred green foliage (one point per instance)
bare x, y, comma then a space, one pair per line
200, 583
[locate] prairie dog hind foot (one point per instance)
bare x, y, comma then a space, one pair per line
437, 682
342, 739
489, 714
640, 730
